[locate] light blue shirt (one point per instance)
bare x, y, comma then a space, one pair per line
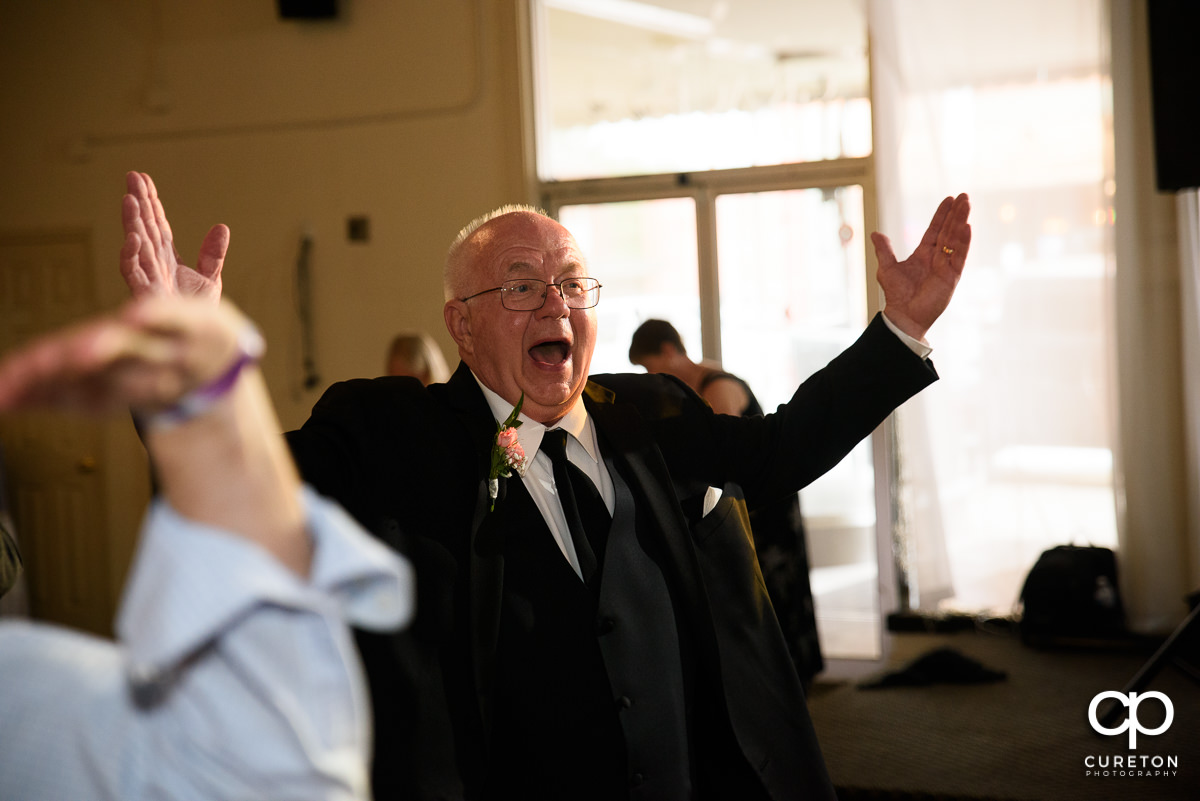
232, 677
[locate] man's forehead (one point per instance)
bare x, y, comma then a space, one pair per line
525, 228
521, 240
521, 268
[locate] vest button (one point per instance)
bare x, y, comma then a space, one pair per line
624, 702
605, 625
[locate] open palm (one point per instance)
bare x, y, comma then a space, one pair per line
918, 289
150, 263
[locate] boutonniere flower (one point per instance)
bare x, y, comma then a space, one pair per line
507, 453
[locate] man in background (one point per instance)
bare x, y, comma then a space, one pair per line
778, 527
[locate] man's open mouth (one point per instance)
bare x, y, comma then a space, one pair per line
553, 353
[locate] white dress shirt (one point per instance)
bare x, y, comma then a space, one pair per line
583, 451
232, 677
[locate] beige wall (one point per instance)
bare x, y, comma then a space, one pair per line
407, 112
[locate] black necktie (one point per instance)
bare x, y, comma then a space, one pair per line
587, 517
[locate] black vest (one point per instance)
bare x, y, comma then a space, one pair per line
591, 693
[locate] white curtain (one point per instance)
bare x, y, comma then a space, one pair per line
1011, 452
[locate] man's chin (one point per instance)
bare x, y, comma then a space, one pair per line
551, 398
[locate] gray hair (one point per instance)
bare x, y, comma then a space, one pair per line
451, 271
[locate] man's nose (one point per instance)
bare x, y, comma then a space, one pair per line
556, 302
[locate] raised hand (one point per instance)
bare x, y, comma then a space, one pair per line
147, 355
150, 263
918, 289
224, 464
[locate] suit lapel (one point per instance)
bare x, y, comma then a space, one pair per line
635, 454
488, 528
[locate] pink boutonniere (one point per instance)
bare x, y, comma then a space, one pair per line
507, 453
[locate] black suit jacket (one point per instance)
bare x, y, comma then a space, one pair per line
411, 463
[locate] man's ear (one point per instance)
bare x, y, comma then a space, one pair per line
458, 323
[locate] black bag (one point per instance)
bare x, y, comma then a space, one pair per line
1071, 593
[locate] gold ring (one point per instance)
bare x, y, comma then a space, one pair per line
947, 251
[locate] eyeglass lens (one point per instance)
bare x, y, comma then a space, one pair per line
528, 294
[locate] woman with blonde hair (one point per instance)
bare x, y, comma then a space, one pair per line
416, 354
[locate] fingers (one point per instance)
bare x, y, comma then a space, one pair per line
959, 234
948, 236
145, 225
67, 369
154, 221
884, 254
212, 252
954, 239
131, 218
930, 239
131, 268
160, 216
137, 219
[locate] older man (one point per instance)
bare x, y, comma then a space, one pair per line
590, 625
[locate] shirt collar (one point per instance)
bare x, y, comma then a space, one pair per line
529, 434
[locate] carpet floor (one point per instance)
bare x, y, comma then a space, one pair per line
1024, 737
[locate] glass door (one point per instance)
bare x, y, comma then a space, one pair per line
644, 254
792, 277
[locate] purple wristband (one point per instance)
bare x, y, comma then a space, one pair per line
200, 400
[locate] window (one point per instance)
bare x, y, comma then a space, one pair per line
712, 168
644, 253
633, 88
716, 162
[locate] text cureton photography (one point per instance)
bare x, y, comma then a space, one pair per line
1130, 765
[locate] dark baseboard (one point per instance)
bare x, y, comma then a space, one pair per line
934, 623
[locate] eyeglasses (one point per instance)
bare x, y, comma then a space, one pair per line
529, 294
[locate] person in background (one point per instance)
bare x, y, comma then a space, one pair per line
778, 527
657, 347
588, 626
234, 674
416, 354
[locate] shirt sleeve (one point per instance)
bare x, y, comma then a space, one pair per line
917, 346
232, 677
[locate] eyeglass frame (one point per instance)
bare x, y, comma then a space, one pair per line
546, 294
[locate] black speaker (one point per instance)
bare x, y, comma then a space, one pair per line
307, 9
1174, 78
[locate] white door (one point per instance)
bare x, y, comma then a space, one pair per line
54, 464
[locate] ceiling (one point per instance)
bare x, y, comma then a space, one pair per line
627, 59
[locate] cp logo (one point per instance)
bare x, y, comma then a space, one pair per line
1131, 723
